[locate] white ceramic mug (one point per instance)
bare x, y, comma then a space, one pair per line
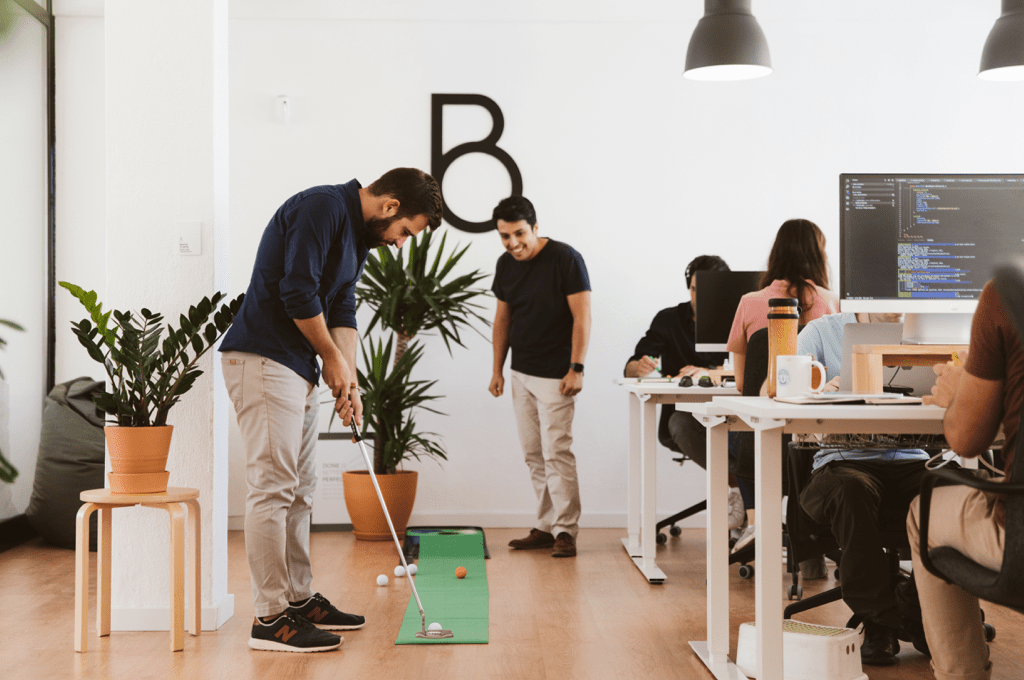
794, 376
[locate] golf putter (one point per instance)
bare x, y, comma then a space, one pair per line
424, 633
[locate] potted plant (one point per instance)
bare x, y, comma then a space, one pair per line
150, 366
8, 473
407, 298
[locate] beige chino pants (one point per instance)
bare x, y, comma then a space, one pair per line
544, 419
961, 518
276, 411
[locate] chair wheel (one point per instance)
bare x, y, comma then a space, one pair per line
675, 531
796, 591
746, 571
836, 574
662, 539
990, 632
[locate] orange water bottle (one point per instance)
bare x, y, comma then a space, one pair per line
783, 319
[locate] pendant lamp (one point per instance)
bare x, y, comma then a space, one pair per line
727, 44
1003, 56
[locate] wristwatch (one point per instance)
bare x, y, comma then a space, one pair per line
576, 367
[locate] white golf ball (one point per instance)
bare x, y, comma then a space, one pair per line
434, 626
413, 569
382, 580
399, 570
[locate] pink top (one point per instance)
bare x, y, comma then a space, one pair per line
752, 314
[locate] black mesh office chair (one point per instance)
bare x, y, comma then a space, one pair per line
1005, 586
679, 516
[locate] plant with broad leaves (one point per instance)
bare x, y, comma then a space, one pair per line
148, 371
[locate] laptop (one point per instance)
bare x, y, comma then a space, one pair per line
919, 378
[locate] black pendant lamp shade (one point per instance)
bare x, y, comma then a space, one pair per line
728, 44
1003, 56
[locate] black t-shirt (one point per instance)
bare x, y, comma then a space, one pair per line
671, 337
536, 290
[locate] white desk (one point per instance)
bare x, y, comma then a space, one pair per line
643, 464
770, 420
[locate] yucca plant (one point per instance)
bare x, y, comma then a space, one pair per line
389, 399
408, 297
8, 473
148, 371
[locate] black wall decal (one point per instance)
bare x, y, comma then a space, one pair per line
440, 162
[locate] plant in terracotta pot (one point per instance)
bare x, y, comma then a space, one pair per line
150, 366
8, 473
421, 294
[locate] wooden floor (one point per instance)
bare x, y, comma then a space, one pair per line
591, 617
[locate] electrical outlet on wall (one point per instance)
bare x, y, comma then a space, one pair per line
188, 238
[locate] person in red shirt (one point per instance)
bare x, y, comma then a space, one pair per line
979, 397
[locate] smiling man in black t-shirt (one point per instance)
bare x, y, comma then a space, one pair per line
543, 316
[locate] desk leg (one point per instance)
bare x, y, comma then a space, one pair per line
195, 567
648, 486
718, 544
177, 576
103, 571
82, 577
633, 497
768, 553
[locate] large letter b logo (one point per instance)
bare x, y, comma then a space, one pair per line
440, 162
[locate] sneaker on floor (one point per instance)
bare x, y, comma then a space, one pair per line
325, 615
290, 632
880, 645
814, 568
565, 546
737, 513
536, 539
745, 539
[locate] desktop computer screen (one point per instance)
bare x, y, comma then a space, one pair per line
925, 243
718, 296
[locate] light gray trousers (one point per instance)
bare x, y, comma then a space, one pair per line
544, 419
276, 411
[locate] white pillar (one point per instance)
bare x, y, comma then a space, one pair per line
166, 66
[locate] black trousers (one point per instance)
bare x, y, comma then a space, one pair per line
859, 500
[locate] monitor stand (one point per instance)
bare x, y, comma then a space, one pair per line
937, 329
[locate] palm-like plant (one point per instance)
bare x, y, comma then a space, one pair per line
148, 375
389, 400
408, 297
8, 473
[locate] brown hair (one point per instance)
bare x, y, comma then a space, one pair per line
798, 256
417, 193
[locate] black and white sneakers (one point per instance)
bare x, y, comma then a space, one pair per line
325, 615
291, 632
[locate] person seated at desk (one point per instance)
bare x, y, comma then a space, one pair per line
797, 268
979, 396
671, 337
846, 492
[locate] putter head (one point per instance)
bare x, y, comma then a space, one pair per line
435, 634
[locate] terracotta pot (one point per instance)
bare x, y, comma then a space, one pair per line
146, 482
139, 451
399, 491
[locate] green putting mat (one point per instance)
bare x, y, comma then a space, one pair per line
459, 605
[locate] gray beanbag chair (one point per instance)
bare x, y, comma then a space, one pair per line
70, 461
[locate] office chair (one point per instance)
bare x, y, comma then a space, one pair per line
1005, 586
755, 372
679, 516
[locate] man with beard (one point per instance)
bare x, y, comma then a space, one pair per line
543, 316
301, 304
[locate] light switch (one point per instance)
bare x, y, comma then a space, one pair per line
189, 238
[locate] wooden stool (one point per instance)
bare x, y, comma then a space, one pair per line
105, 501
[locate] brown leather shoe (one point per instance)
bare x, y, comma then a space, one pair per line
565, 546
536, 539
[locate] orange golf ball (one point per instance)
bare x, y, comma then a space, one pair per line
460, 572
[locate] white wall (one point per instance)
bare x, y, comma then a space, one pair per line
23, 192
633, 165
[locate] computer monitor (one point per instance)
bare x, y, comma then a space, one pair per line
718, 296
924, 245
